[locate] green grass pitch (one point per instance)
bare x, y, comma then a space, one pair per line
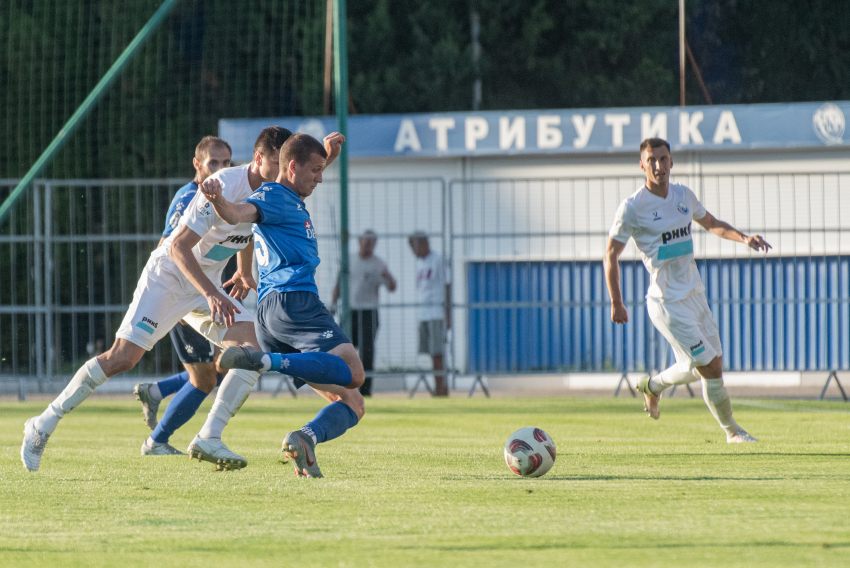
423, 483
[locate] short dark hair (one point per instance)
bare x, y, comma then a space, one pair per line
300, 147
202, 150
271, 140
653, 143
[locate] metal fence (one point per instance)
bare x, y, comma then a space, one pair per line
528, 288
535, 294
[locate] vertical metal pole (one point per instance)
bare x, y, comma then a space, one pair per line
329, 31
48, 280
475, 25
341, 100
39, 291
682, 52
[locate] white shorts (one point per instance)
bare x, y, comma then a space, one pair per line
163, 297
689, 327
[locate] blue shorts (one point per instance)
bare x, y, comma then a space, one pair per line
292, 322
191, 346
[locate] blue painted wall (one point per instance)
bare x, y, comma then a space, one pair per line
785, 313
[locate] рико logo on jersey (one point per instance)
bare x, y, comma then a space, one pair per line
311, 233
670, 235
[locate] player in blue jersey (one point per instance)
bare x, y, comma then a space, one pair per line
298, 334
195, 352
182, 281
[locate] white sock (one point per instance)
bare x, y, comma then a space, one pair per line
85, 380
309, 431
232, 393
150, 442
718, 402
670, 377
266, 360
212, 428
155, 393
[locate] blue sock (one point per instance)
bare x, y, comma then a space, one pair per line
173, 384
332, 421
313, 367
184, 406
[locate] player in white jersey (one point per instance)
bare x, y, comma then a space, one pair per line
658, 216
178, 283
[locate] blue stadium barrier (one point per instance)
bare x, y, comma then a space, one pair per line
774, 314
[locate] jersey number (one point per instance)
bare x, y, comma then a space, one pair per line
262, 250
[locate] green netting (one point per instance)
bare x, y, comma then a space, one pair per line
210, 59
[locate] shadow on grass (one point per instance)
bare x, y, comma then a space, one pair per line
661, 545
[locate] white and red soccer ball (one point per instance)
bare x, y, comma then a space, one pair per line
530, 452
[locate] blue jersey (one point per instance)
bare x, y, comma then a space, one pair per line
178, 205
284, 241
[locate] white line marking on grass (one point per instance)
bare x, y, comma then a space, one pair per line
791, 408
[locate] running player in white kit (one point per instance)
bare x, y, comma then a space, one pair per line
181, 280
658, 217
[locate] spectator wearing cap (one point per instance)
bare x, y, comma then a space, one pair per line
434, 291
367, 273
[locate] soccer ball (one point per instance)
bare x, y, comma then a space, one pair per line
530, 452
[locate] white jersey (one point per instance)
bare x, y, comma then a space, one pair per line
431, 280
219, 239
661, 229
367, 275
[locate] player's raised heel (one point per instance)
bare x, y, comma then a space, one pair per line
650, 399
33, 446
241, 357
300, 448
150, 407
741, 438
214, 451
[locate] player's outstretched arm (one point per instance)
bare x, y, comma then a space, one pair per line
232, 213
726, 231
333, 146
611, 262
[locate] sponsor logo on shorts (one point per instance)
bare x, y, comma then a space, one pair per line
698, 348
147, 325
189, 349
328, 334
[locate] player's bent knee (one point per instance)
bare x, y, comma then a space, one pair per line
119, 359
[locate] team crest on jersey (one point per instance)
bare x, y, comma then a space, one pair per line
683, 209
311, 233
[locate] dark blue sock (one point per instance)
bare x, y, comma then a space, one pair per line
173, 384
218, 378
183, 407
313, 367
332, 421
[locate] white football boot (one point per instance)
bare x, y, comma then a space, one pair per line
214, 451
150, 407
160, 450
740, 438
33, 446
650, 399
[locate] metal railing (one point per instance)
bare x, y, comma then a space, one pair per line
528, 290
